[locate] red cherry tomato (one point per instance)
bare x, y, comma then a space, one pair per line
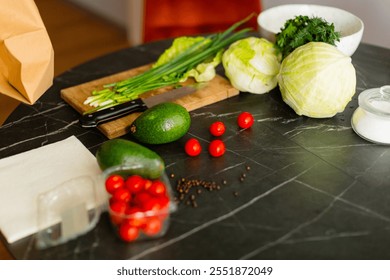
192, 147
114, 182
163, 201
245, 120
157, 188
153, 226
217, 128
122, 194
141, 198
148, 183
118, 209
128, 232
135, 183
153, 204
135, 217
217, 148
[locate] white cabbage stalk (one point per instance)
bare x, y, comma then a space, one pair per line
317, 80
252, 65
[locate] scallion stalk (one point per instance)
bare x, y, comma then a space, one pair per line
166, 74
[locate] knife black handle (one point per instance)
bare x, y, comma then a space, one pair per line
112, 113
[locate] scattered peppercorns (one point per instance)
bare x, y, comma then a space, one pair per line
189, 189
184, 187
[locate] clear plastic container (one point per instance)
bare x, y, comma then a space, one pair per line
68, 211
145, 214
371, 120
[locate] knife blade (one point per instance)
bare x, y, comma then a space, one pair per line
136, 105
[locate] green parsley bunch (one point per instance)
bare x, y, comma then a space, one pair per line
301, 30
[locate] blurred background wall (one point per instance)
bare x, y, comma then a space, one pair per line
374, 13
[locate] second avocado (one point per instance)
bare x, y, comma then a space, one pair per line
163, 123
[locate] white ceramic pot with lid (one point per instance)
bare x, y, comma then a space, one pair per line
371, 120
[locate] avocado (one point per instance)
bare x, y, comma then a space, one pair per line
125, 152
160, 124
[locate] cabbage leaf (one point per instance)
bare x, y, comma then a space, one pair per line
202, 72
252, 65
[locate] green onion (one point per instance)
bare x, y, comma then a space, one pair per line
167, 74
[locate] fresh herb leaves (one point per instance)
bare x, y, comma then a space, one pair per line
301, 30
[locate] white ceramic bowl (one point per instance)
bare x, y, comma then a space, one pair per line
351, 27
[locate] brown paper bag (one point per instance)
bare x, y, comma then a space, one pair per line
26, 55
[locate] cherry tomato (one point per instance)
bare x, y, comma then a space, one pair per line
157, 188
163, 201
148, 183
153, 226
245, 120
114, 182
153, 204
118, 209
192, 147
128, 232
217, 128
135, 183
122, 194
217, 148
141, 198
136, 217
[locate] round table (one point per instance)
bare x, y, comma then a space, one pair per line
315, 190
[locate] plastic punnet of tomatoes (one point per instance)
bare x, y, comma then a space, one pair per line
139, 207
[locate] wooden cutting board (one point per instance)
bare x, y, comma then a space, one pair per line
215, 90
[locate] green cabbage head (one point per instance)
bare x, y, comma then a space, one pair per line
252, 65
317, 80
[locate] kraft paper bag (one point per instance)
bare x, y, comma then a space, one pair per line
26, 55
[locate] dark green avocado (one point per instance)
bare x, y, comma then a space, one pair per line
163, 123
116, 152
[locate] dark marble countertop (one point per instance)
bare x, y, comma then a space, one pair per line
315, 189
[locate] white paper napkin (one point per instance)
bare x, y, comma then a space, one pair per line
24, 176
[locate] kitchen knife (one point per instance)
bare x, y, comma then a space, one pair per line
137, 105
